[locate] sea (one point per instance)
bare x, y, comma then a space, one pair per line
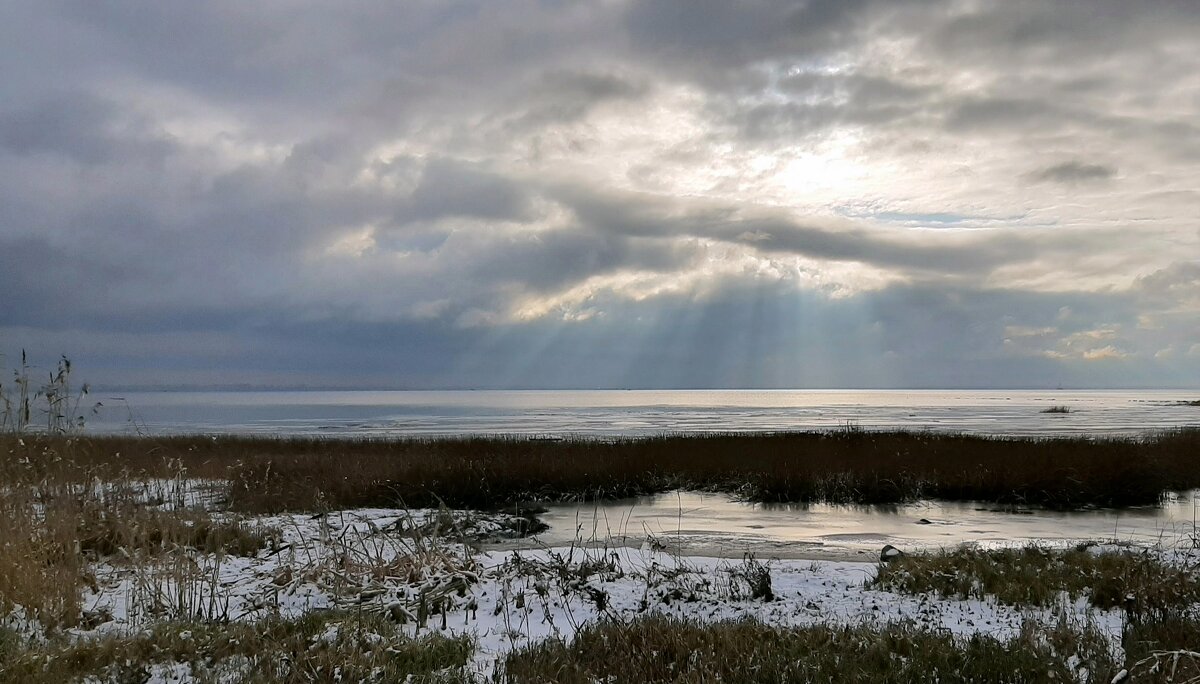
625, 413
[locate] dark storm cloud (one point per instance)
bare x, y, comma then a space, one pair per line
544, 193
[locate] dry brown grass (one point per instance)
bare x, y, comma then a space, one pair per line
57, 513
39, 567
125, 528
272, 475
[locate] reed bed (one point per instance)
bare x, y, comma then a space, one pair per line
59, 513
268, 475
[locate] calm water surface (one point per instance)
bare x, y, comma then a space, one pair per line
638, 412
716, 525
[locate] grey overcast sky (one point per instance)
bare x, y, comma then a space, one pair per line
542, 193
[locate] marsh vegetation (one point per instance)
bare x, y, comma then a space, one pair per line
271, 475
133, 559
1035, 576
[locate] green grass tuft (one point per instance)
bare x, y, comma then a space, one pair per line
659, 649
1035, 576
320, 647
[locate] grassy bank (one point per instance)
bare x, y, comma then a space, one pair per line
356, 647
655, 649
269, 475
1159, 599
1139, 582
319, 647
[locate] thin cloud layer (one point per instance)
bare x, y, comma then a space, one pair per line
615, 193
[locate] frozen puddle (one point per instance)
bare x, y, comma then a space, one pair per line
715, 525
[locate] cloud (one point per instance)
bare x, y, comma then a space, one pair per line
756, 192
80, 126
450, 188
1103, 353
564, 97
1075, 172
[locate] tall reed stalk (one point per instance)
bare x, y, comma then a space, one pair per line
62, 407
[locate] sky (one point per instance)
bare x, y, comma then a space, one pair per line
555, 194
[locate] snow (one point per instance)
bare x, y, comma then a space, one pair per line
371, 559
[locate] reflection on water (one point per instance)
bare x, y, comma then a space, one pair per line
714, 524
640, 412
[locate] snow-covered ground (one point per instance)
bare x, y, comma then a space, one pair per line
392, 561
443, 572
